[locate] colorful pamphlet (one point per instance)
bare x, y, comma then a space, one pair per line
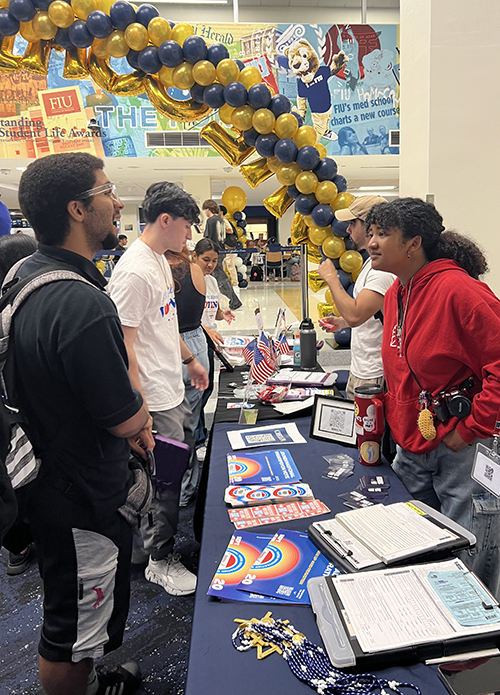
276, 513
243, 550
285, 565
250, 495
268, 435
263, 468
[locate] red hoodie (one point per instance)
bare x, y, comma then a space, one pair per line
451, 331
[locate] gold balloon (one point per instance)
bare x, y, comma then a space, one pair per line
308, 220
234, 199
298, 230
43, 27
321, 149
342, 200
278, 202
182, 76
250, 76
75, 64
242, 117
159, 30
314, 281
355, 274
233, 149
330, 301
286, 125
27, 32
227, 71
305, 135
226, 113
128, 85
204, 72
181, 32
327, 309
313, 253
116, 43
351, 261
61, 14
136, 36
273, 164
263, 121
317, 235
325, 192
256, 172
306, 182
4, 4
187, 111
99, 48
8, 62
104, 5
82, 8
165, 76
287, 173
36, 58
333, 246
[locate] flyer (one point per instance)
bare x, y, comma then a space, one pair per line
268, 435
250, 495
284, 567
246, 517
263, 468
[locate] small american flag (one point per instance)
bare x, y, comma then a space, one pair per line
281, 345
248, 351
262, 365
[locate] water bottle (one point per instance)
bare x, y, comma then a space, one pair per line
307, 345
296, 351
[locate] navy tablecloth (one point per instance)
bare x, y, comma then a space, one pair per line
215, 667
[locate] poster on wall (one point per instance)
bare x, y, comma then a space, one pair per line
343, 79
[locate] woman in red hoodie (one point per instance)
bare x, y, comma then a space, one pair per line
441, 335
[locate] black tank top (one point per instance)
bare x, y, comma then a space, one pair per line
190, 302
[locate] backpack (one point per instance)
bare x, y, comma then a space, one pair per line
256, 272
18, 463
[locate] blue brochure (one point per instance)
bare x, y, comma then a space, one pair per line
263, 468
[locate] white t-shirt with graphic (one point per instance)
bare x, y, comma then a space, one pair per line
212, 299
142, 288
366, 340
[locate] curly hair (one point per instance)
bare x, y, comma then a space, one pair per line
414, 217
166, 197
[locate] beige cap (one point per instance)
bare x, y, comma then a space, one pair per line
359, 208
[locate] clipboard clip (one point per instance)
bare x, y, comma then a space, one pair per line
340, 549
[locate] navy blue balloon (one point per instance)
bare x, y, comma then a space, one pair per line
299, 118
217, 52
344, 278
322, 215
350, 290
122, 14
293, 192
197, 91
250, 137
133, 59
259, 96
280, 104
79, 34
237, 215
308, 158
336, 263
343, 337
364, 254
149, 62
241, 223
235, 94
99, 24
239, 245
62, 39
349, 244
265, 144
170, 54
42, 5
240, 64
9, 26
145, 14
340, 182
194, 49
339, 228
22, 10
213, 96
326, 169
239, 276
286, 151
305, 204
243, 284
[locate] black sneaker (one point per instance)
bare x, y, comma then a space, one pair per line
121, 680
19, 562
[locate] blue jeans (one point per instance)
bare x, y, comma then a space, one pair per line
442, 479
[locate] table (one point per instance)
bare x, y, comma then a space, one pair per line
214, 665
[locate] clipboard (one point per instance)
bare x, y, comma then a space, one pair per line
342, 642
356, 556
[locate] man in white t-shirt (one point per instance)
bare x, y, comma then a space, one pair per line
361, 311
143, 291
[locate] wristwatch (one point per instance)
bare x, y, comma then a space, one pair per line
189, 359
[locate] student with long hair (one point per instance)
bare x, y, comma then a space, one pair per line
441, 333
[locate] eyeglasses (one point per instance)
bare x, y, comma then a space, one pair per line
105, 188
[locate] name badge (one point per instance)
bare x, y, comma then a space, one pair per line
486, 469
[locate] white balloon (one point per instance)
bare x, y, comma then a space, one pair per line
238, 262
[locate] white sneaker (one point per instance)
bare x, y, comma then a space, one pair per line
201, 453
171, 575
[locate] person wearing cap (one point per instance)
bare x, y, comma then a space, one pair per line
363, 311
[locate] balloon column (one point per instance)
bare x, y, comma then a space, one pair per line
234, 199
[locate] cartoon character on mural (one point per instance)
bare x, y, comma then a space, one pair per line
312, 83
349, 46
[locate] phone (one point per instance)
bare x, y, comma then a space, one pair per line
472, 677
